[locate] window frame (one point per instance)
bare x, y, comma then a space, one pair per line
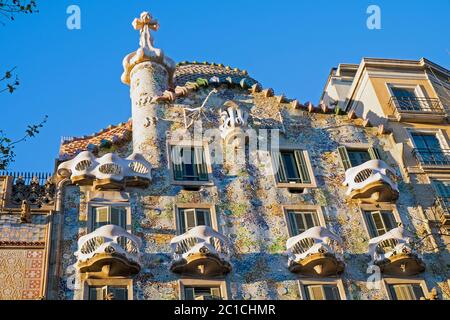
373, 151
207, 158
443, 141
388, 282
94, 205
112, 282
440, 135
303, 208
419, 93
220, 283
304, 283
308, 163
187, 206
378, 207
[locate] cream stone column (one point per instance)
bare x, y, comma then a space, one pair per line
149, 73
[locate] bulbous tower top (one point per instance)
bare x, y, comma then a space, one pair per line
146, 52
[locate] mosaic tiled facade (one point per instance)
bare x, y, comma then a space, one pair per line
129, 222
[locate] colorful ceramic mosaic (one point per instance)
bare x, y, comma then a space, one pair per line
21, 274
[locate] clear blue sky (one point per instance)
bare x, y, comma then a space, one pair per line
74, 76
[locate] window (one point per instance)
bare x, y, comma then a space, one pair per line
191, 218
353, 157
102, 216
291, 167
404, 92
108, 293
322, 292
300, 221
442, 188
428, 149
426, 141
202, 293
379, 222
189, 164
406, 291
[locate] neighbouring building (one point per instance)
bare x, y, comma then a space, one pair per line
217, 188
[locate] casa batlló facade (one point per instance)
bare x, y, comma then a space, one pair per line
217, 188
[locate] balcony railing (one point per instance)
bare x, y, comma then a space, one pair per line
108, 172
433, 157
316, 251
394, 254
443, 210
106, 246
374, 179
416, 104
202, 250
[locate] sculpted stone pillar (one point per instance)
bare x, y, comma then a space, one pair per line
149, 73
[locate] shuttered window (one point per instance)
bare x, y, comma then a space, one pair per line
380, 222
291, 166
103, 216
108, 293
322, 292
442, 188
406, 291
189, 164
300, 221
191, 218
202, 293
355, 157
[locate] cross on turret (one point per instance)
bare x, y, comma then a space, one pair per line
144, 24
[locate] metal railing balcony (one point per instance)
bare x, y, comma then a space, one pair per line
416, 104
432, 157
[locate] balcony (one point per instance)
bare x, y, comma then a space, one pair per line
393, 253
415, 109
373, 181
315, 252
442, 206
109, 251
109, 172
200, 251
433, 159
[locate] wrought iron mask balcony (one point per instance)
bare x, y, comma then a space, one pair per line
394, 254
433, 157
200, 251
372, 181
108, 172
109, 251
315, 252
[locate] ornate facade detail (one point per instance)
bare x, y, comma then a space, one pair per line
33, 192
315, 252
373, 181
109, 251
107, 172
233, 118
25, 213
200, 251
393, 252
147, 51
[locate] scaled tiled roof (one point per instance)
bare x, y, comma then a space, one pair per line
111, 135
191, 71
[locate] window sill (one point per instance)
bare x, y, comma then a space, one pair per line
296, 185
193, 183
